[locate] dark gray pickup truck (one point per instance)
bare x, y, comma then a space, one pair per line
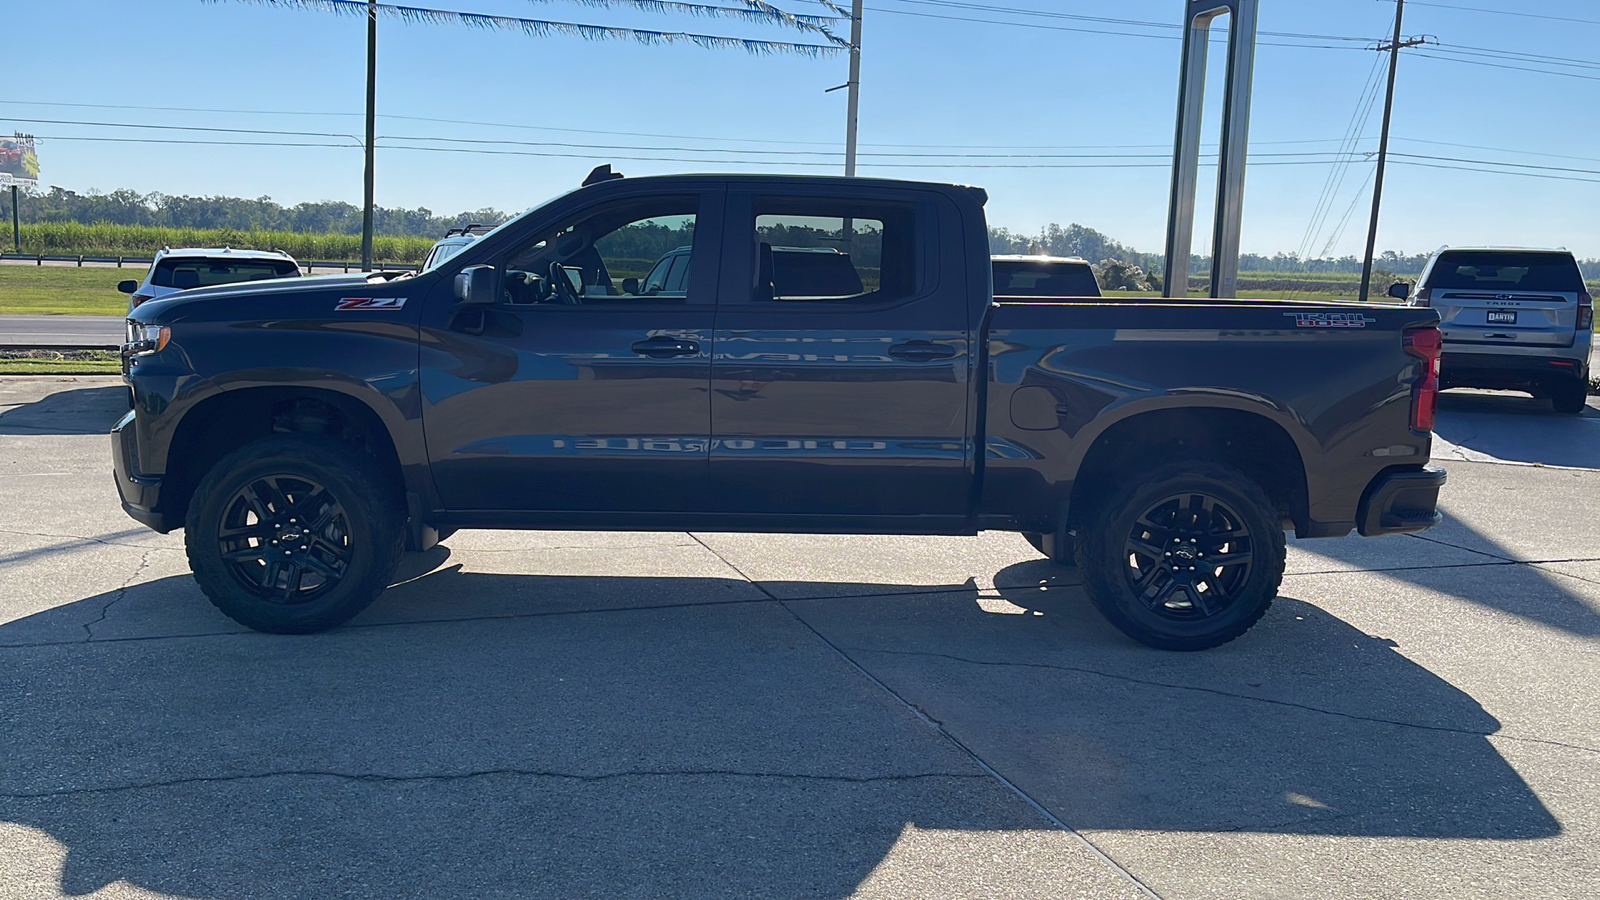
305, 432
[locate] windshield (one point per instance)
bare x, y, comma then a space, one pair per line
184, 273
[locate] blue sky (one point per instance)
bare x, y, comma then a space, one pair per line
1014, 93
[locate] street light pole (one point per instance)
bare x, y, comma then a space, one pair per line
1394, 48
372, 99
854, 102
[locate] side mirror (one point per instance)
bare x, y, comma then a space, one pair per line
127, 287
630, 286
477, 286
1400, 290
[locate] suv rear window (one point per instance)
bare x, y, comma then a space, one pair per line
1018, 278
192, 273
1504, 270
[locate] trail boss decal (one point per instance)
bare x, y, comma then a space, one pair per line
1330, 320
349, 303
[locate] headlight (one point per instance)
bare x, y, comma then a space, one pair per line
146, 339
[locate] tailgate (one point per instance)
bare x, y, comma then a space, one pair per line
1533, 319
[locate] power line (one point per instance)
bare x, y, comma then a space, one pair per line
1505, 12
1140, 23
1038, 26
1472, 62
182, 128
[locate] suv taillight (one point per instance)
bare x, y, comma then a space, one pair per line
1427, 345
1585, 312
1423, 298
138, 299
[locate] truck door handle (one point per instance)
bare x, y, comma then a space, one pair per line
922, 350
664, 348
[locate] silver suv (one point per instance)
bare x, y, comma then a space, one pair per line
1512, 319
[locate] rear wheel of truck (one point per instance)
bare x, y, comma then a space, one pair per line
293, 535
1186, 559
1569, 398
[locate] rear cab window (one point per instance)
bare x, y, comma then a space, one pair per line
193, 272
1506, 271
1044, 278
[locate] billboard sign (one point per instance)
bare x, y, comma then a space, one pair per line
19, 164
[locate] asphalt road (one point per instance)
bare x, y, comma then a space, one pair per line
702, 715
57, 331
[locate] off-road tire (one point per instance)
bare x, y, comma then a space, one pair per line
358, 546
1239, 519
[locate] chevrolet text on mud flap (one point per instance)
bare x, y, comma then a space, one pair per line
552, 375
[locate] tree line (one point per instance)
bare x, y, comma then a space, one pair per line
129, 207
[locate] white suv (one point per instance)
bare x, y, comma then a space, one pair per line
179, 270
454, 241
1512, 319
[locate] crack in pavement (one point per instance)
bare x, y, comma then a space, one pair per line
144, 563
1569, 574
379, 778
1498, 561
1112, 676
84, 538
406, 623
926, 719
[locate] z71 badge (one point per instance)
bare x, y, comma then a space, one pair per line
1330, 320
349, 303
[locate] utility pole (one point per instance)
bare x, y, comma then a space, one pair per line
16, 223
372, 100
854, 103
1393, 49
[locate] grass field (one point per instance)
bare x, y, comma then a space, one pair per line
61, 290
68, 362
73, 239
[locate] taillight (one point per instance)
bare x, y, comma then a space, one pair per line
138, 299
1585, 312
1424, 297
1427, 345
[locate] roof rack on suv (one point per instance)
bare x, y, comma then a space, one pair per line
473, 229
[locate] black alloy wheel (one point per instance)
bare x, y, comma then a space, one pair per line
1185, 557
293, 534
1188, 556
285, 538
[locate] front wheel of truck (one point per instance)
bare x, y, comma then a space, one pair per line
1188, 558
292, 535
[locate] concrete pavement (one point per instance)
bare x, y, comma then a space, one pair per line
566, 714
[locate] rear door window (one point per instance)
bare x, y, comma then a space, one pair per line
822, 250
1501, 271
192, 273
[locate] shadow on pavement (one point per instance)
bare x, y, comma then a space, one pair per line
671, 747
1518, 428
90, 410
1494, 581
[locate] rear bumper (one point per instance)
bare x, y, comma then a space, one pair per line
139, 492
1493, 370
1401, 502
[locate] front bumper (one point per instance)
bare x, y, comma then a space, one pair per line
1401, 501
140, 493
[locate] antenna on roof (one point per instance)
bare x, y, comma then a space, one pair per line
601, 173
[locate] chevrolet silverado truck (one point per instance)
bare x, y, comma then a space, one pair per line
304, 433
